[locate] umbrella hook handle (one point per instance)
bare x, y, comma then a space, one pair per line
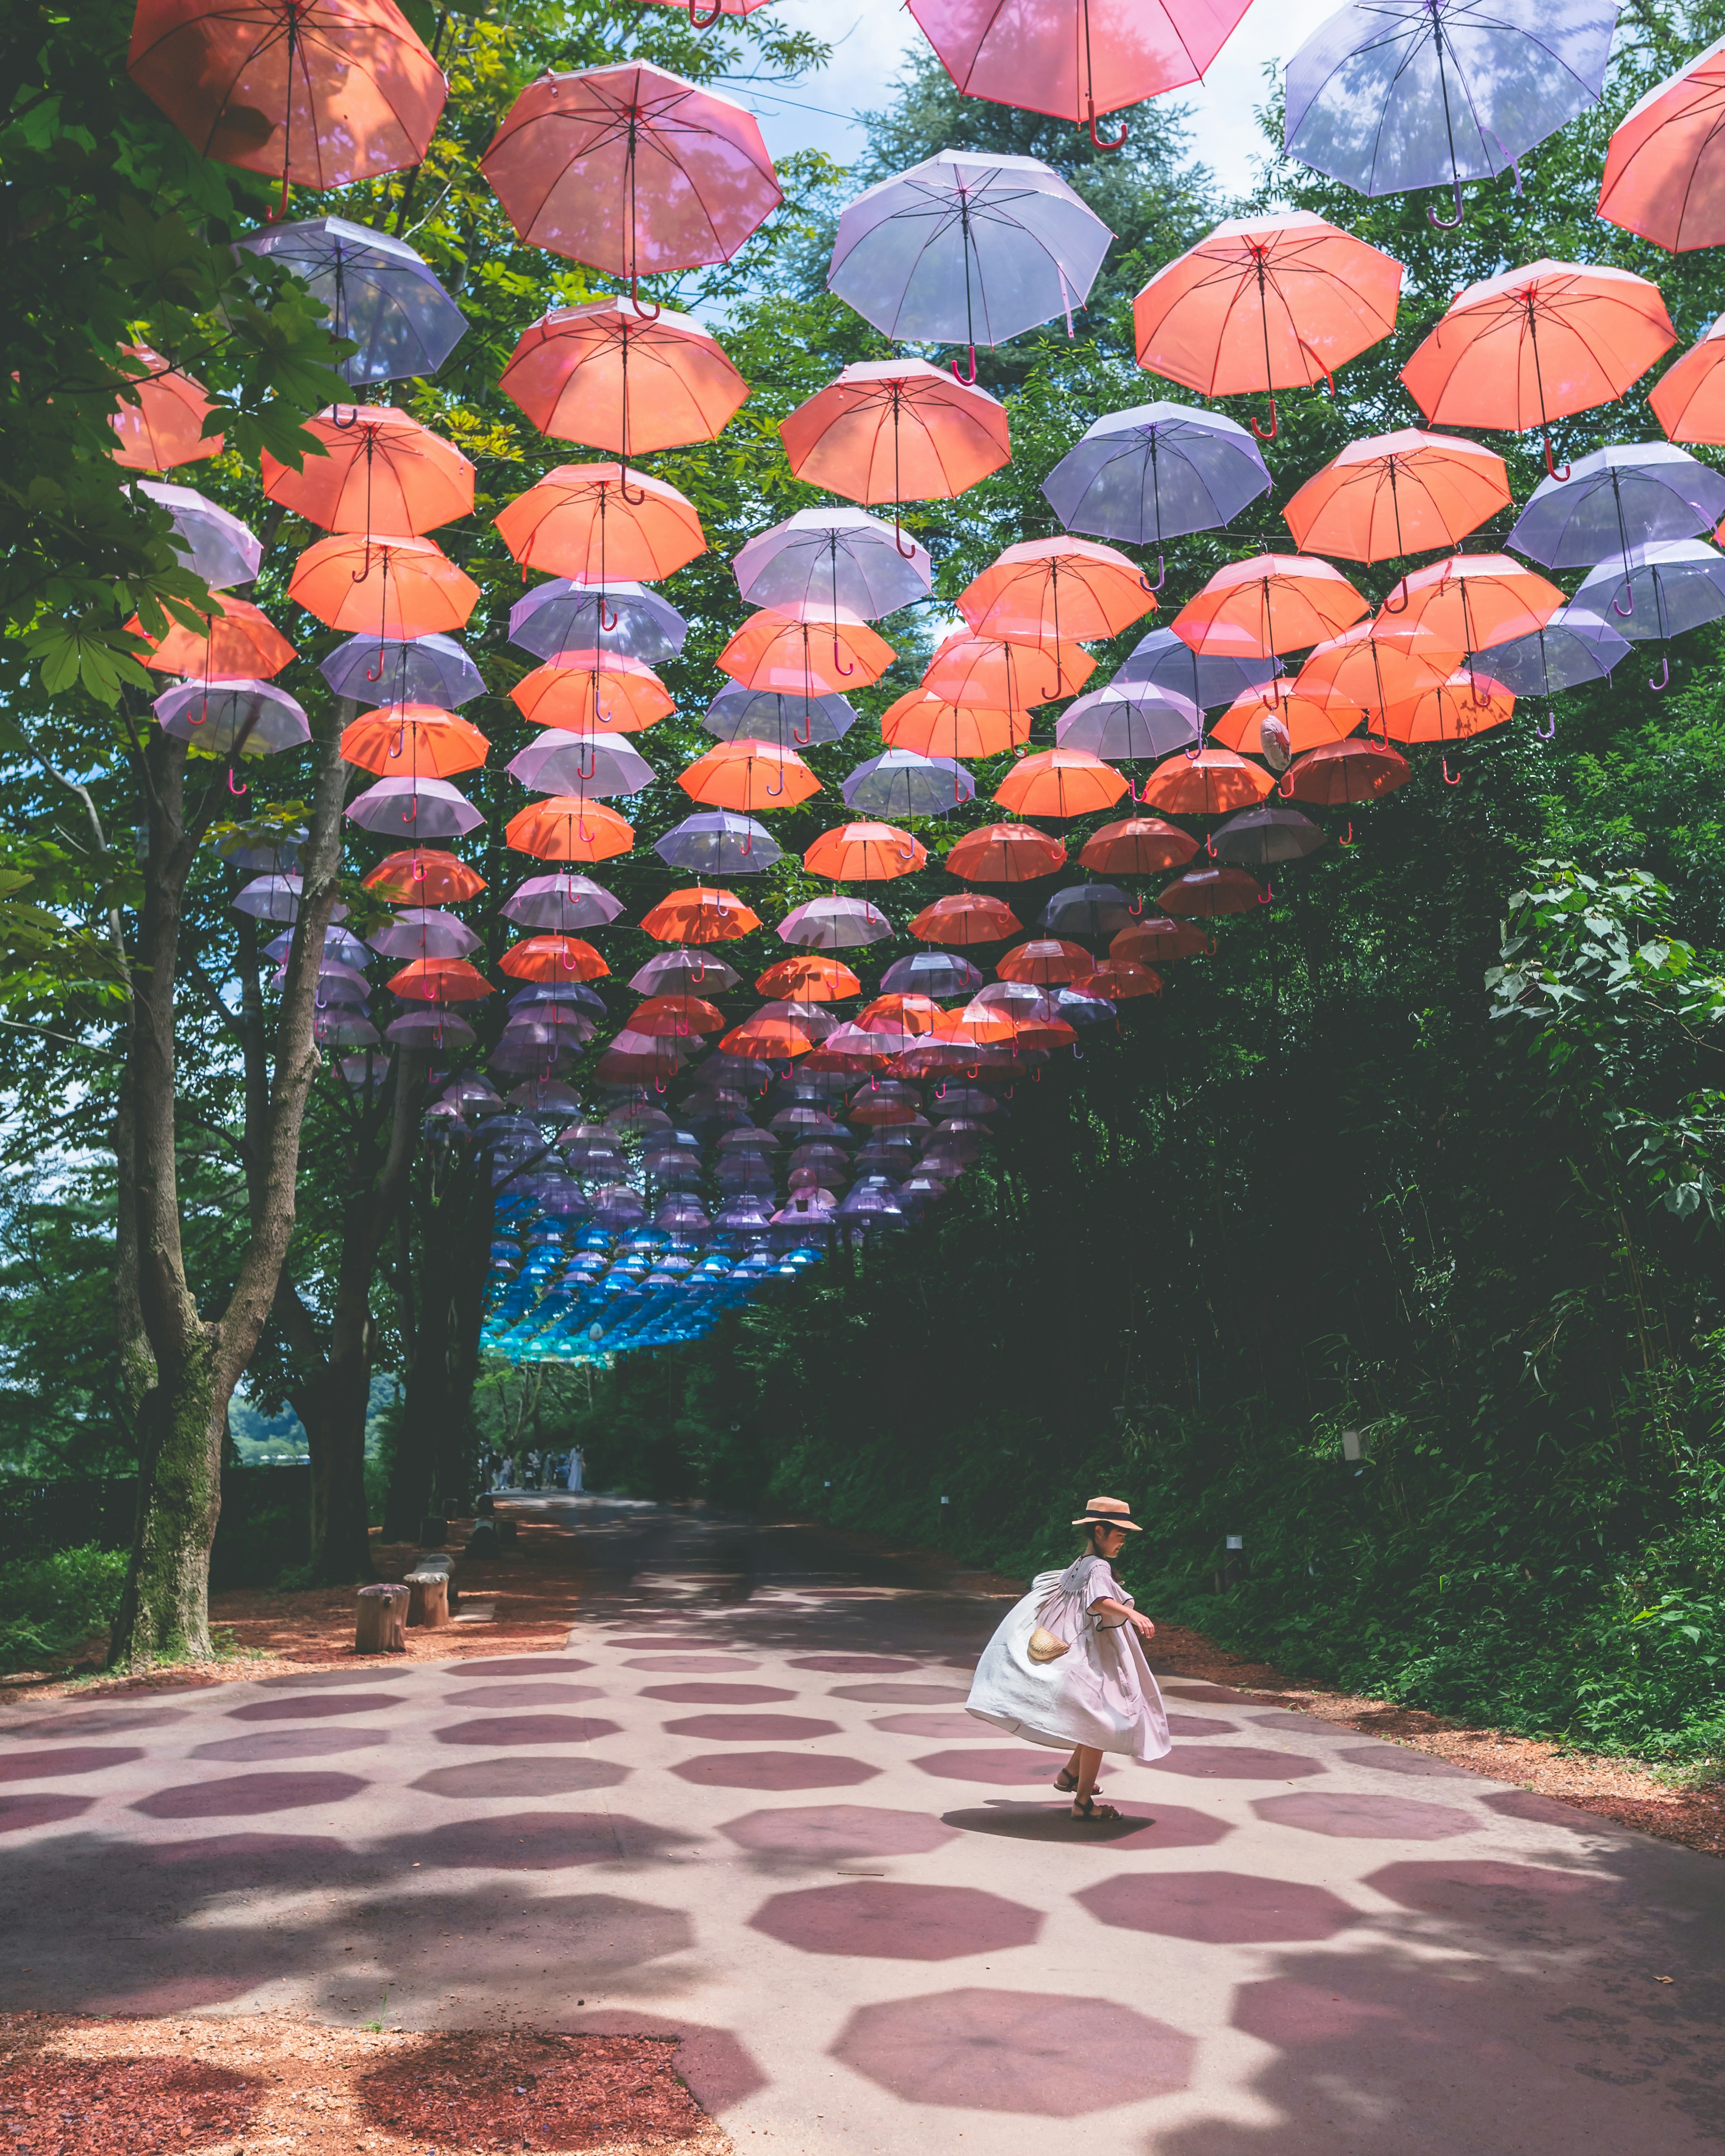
1274, 423
1624, 612
418, 869
804, 740
1266, 896
378, 675
635, 499
1546, 732
1665, 674
1551, 469
747, 846
345, 425
1102, 141
967, 380
907, 553
242, 788
1447, 223
1449, 780
1209, 846
700, 21
651, 310
1285, 784
773, 791
1160, 575
1136, 907
838, 665
606, 627
1348, 838
1407, 600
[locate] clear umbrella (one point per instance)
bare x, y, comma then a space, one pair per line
1155, 472
1261, 836
740, 714
378, 292
1675, 585
834, 924
1090, 909
624, 617
215, 544
1616, 501
583, 764
1123, 722
931, 973
1163, 661
1574, 646
426, 932
717, 842
561, 902
902, 783
419, 669
835, 557
233, 718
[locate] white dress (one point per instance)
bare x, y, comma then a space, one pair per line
1099, 1693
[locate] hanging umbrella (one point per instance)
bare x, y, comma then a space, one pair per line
414, 741
325, 92
1468, 602
1162, 660
1155, 473
1664, 177
1343, 774
424, 933
1045, 960
277, 898
241, 644
439, 981
932, 973
1469, 703
966, 248
1060, 783
1266, 303
396, 587
899, 1013
625, 618
865, 853
1274, 603
380, 294
700, 916
1534, 345
675, 972
428, 878
786, 721
1618, 500
566, 827
897, 430
1070, 589
1574, 646
903, 783
921, 721
1211, 784
1688, 399
436, 1029
1160, 942
234, 717
1263, 836
429, 807
592, 691
420, 670
1207, 894
581, 764
834, 924
786, 655
1363, 668
381, 470
1305, 722
1141, 845
968, 917
997, 853
214, 544
1000, 675
631, 170
1388, 95
809, 981
561, 901
611, 377
553, 958
675, 1017
582, 521
1088, 909
160, 418
1122, 979
1392, 495
833, 558
748, 776
1124, 724
1675, 585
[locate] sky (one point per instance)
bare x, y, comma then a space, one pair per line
870, 38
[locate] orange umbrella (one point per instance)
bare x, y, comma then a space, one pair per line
924, 723
1398, 494
777, 653
165, 426
413, 740
897, 430
593, 692
1266, 303
909, 1013
966, 917
1362, 667
1141, 845
675, 1017
565, 828
768, 1040
1469, 602
1308, 720
1663, 178
325, 92
748, 776
1688, 399
999, 675
1057, 587
1214, 783
1120, 979
1273, 602
865, 853
700, 916
592, 522
1005, 853
241, 644
1465, 705
392, 588
440, 981
978, 1022
1539, 344
1059, 783
607, 375
1045, 960
1203, 893
426, 877
1159, 942
810, 980
1342, 774
553, 958
381, 471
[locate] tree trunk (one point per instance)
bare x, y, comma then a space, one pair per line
164, 1612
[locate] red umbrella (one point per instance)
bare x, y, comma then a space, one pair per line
381, 471
394, 587
1469, 602
1203, 893
1057, 587
1272, 603
582, 521
1664, 168
968, 917
1141, 845
165, 426
241, 644
1342, 774
897, 430
1045, 960
614, 378
1158, 941
1688, 399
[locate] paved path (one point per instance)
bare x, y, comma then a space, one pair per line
746, 1807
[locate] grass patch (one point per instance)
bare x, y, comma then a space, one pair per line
51, 1604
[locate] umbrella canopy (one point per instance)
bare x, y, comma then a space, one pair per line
786, 720
1388, 95
567, 828
277, 898
700, 916
1675, 585
593, 692
233, 718
1305, 722
1343, 774
625, 618
1060, 588
421, 669
212, 544
424, 933
1211, 784
1207, 894
1365, 669
439, 1029
414, 741
748, 776
865, 853
583, 521
901, 1013
439, 981
240, 643
1469, 703
379, 293
561, 901
1001, 675
1665, 165
1688, 399
811, 655
553, 958
1124, 723
719, 844
968, 917
159, 420
1141, 845
926, 723
932, 974
1155, 472
903, 783
1045, 961
427, 808
675, 1017
1059, 783
1627, 496
381, 470
426, 877
1120, 979
396, 587
897, 430
1089, 909
997, 853
1469, 601
1076, 59
810, 981
676, 971
614, 377
581, 764
833, 558
1574, 646
966, 248
1272, 603
1162, 660
1266, 303
834, 924
323, 92
1260, 837
1159, 942
631, 170
1393, 494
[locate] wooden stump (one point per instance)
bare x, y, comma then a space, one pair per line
380, 1611
436, 1561
429, 1598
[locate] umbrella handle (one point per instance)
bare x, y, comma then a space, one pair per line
1284, 785
1274, 423
346, 426
1136, 908
1449, 780
652, 310
908, 553
1348, 839
635, 499
804, 740
1624, 612
1552, 471
1407, 600
1665, 674
606, 627
700, 21
1102, 141
1209, 846
969, 380
1448, 223
239, 789
1267, 897
747, 846
1545, 733
418, 869
1160, 575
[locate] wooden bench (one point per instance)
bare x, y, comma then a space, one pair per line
378, 1625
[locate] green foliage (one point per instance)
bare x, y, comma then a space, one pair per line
50, 1604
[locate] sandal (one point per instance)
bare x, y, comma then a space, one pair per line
1065, 1781
1087, 1808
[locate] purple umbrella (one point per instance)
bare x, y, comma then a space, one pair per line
1125, 722
586, 765
1088, 909
419, 808
338, 943
836, 557
213, 543
377, 291
277, 898
834, 924
1155, 472
624, 617
740, 714
717, 842
441, 1028
1574, 646
901, 782
1615, 501
233, 718
419, 669
427, 932
561, 902
680, 973
1260, 836
1162, 661
930, 973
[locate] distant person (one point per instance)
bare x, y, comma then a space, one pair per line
577, 1477
1067, 1666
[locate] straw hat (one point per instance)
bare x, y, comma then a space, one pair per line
1109, 1512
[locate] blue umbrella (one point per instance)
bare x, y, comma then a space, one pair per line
740, 714
1390, 94
1616, 501
1675, 585
1122, 723
718, 843
1574, 646
930, 973
624, 617
1090, 909
378, 292
837, 558
1162, 661
902, 783
422, 670
1155, 472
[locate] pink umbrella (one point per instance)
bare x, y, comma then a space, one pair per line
427, 808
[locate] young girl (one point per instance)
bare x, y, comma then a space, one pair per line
1067, 1666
